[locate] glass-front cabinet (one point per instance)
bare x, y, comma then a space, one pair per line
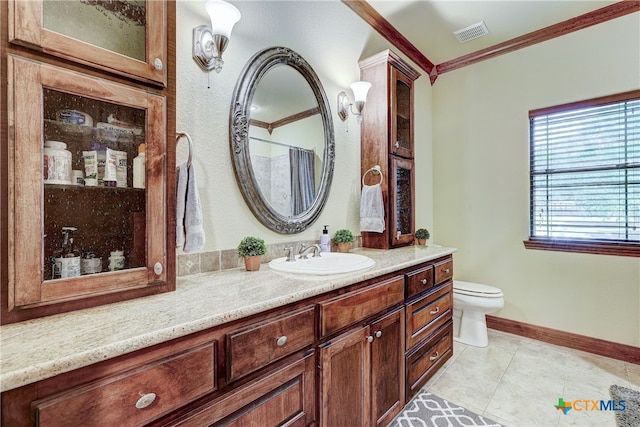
401, 196
402, 119
78, 142
126, 37
388, 141
90, 177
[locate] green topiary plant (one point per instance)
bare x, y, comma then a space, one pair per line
422, 233
252, 246
343, 236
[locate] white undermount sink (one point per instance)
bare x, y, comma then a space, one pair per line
327, 263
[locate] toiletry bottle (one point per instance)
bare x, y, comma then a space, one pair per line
139, 168
325, 240
69, 260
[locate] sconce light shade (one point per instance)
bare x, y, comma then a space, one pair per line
209, 44
360, 90
223, 17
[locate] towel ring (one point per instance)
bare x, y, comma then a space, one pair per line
376, 170
186, 135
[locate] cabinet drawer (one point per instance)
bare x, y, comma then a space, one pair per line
443, 271
285, 397
257, 345
427, 314
427, 359
419, 280
358, 305
121, 399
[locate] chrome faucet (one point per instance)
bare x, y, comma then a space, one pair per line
304, 250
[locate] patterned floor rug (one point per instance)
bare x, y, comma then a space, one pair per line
428, 410
630, 417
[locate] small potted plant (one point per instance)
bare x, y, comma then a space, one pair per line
422, 235
343, 239
252, 249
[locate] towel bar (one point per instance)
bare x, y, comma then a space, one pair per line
376, 170
180, 135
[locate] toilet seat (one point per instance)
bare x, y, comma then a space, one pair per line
476, 290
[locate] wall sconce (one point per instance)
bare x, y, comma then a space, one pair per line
360, 90
210, 43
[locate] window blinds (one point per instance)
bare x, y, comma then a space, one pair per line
585, 172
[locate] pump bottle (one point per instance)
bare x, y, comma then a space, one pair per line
325, 240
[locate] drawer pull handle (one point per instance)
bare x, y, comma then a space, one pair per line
378, 334
282, 341
145, 400
369, 338
423, 281
434, 357
447, 271
436, 311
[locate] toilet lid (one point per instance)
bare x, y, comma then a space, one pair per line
477, 289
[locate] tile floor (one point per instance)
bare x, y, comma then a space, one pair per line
517, 381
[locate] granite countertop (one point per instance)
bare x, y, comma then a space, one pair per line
37, 349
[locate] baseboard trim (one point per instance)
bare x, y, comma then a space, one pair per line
627, 353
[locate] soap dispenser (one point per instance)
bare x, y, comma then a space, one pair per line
325, 240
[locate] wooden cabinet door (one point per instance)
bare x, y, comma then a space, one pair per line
402, 202
127, 38
345, 380
401, 141
387, 367
106, 218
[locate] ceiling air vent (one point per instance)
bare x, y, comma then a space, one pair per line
471, 32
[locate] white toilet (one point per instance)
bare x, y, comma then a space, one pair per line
471, 302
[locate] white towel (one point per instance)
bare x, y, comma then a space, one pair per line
372, 209
189, 230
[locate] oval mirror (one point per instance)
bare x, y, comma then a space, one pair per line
282, 140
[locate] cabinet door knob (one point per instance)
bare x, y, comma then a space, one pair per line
145, 400
369, 338
282, 341
423, 281
437, 310
434, 357
157, 268
378, 334
157, 64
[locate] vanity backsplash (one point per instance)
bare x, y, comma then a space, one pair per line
205, 262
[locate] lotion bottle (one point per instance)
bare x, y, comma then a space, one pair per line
140, 167
325, 240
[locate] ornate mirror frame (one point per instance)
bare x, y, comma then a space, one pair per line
245, 88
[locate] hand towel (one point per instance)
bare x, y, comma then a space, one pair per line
372, 209
189, 224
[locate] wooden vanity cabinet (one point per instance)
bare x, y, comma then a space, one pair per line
362, 374
362, 370
429, 322
387, 140
351, 357
75, 101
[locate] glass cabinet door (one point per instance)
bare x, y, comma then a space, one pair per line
402, 221
402, 113
126, 36
89, 184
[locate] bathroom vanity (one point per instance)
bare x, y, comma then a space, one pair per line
236, 347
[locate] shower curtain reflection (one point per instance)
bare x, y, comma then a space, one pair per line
302, 179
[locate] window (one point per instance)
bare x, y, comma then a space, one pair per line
585, 176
